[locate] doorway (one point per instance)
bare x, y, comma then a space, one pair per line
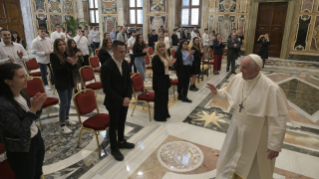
271, 19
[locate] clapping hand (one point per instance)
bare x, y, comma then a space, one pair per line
62, 37
72, 60
37, 102
191, 52
20, 54
10, 59
126, 102
79, 54
203, 50
171, 61
212, 88
145, 50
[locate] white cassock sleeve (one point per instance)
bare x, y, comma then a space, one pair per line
223, 94
276, 132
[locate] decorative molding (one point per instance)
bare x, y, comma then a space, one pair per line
315, 35
212, 6
306, 5
39, 5
109, 6
157, 6
227, 5
109, 22
224, 25
55, 6
68, 7
243, 6
302, 32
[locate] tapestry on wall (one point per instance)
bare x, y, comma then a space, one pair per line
315, 35
55, 19
42, 21
302, 32
109, 22
39, 5
227, 5
157, 6
68, 7
224, 26
306, 5
108, 6
55, 6
155, 22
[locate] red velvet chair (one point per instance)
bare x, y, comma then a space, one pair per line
97, 51
34, 86
150, 51
53, 74
138, 85
31, 65
174, 83
85, 103
148, 64
87, 75
95, 64
173, 53
210, 61
5, 169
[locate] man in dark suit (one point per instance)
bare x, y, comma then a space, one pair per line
186, 35
233, 46
233, 31
117, 87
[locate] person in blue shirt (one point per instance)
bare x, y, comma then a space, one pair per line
112, 35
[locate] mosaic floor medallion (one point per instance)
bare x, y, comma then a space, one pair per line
180, 156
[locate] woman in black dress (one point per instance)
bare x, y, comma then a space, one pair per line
161, 81
263, 51
105, 51
75, 53
195, 70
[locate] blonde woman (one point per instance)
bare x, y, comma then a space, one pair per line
161, 81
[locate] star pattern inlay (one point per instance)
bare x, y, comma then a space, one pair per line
208, 118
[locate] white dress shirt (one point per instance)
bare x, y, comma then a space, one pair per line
119, 65
193, 35
205, 39
11, 50
82, 43
56, 35
95, 34
40, 47
130, 43
167, 42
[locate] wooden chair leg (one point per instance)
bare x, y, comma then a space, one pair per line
40, 124
49, 111
80, 137
134, 107
149, 111
173, 86
98, 144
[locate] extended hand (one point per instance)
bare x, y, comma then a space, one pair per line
212, 88
20, 54
126, 102
171, 61
272, 154
62, 37
10, 59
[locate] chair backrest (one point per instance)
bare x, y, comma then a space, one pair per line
203, 56
211, 52
94, 62
85, 102
32, 64
147, 60
137, 82
87, 73
150, 50
97, 51
34, 86
173, 53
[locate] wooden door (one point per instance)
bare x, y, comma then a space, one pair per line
271, 19
11, 17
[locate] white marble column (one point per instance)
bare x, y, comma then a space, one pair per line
120, 12
204, 20
80, 9
100, 22
171, 16
29, 27
145, 19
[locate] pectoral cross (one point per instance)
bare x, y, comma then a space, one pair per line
241, 106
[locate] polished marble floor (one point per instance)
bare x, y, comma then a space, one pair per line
187, 145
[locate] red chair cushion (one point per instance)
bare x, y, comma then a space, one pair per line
85, 102
174, 82
50, 101
94, 62
97, 122
87, 74
148, 67
32, 64
96, 85
143, 96
2, 149
37, 73
97, 71
34, 86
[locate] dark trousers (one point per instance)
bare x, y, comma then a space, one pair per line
85, 60
43, 69
169, 52
183, 81
28, 164
65, 101
95, 45
132, 63
117, 124
161, 105
231, 62
217, 62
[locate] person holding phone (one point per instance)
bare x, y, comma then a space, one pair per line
263, 51
139, 51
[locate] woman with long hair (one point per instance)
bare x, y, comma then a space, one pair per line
75, 53
195, 70
106, 52
63, 65
161, 81
184, 61
168, 43
263, 51
139, 51
218, 53
18, 131
17, 39
106, 36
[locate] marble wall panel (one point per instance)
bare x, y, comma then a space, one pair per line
243, 6
109, 6
76, 7
224, 26
42, 21
39, 5
155, 22
306, 5
68, 7
241, 23
212, 6
315, 35
55, 19
227, 5
157, 6
211, 23
86, 11
55, 6
109, 22
302, 32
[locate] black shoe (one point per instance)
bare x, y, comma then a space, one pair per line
180, 97
227, 70
192, 88
117, 154
195, 87
234, 73
125, 145
217, 73
185, 99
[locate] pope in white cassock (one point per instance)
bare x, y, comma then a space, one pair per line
258, 125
